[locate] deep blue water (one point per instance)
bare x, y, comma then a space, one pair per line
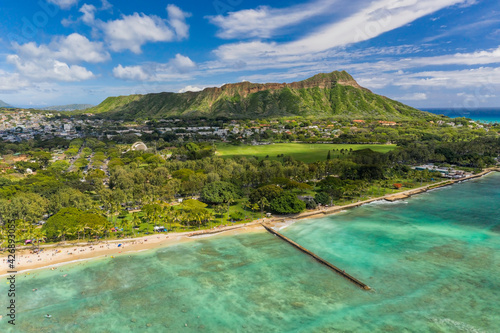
484, 115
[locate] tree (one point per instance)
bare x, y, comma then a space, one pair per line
58, 225
332, 186
218, 192
287, 203
268, 191
237, 216
322, 198
38, 235
69, 197
263, 204
220, 210
28, 206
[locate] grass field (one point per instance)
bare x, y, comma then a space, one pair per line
305, 152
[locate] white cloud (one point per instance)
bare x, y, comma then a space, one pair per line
12, 82
475, 58
190, 88
88, 12
49, 69
371, 69
181, 64
179, 67
106, 5
370, 21
73, 48
132, 31
412, 97
177, 19
264, 21
482, 77
57, 60
134, 73
64, 4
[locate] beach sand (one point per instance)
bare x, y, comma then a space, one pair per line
55, 255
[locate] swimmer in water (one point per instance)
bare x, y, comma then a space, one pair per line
48, 316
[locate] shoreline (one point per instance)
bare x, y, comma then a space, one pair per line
56, 255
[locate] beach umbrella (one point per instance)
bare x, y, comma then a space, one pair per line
119, 245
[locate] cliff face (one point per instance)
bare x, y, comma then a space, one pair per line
325, 94
322, 81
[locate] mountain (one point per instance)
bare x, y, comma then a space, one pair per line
5, 105
326, 94
69, 107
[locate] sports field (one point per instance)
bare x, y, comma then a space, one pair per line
300, 151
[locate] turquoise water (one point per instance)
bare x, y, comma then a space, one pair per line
433, 262
483, 115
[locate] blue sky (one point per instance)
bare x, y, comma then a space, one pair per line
425, 53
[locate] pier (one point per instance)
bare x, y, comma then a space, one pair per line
322, 261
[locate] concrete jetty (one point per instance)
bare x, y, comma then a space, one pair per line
321, 260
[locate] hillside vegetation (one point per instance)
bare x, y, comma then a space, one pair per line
331, 94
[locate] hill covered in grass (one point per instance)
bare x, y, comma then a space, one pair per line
5, 105
323, 95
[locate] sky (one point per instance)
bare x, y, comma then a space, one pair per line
425, 53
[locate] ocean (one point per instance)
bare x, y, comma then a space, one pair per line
487, 115
433, 262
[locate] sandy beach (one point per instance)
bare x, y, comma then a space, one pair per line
52, 256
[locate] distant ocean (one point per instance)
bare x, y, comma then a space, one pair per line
490, 115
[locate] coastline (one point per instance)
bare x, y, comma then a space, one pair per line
56, 255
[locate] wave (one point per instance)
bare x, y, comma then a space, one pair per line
464, 327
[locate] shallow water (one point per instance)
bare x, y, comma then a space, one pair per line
432, 260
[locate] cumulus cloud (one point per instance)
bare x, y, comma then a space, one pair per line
12, 82
181, 64
49, 69
64, 4
134, 73
190, 88
177, 20
88, 12
73, 48
57, 60
179, 67
130, 32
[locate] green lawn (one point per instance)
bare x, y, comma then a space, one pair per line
305, 152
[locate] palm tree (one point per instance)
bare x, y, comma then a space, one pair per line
209, 217
39, 234
80, 229
102, 230
136, 220
3, 238
178, 217
229, 202
127, 223
263, 204
71, 231
62, 234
